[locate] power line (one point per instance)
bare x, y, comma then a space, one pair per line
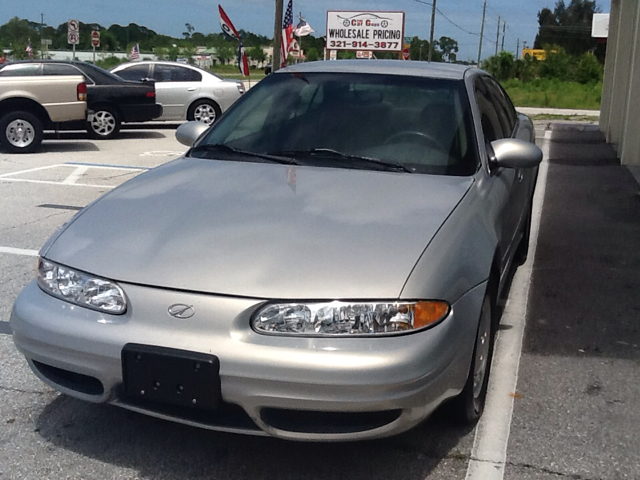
447, 18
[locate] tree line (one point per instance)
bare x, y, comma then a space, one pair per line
571, 54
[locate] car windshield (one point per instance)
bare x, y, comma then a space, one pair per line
347, 120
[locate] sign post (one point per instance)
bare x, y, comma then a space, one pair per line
73, 34
95, 42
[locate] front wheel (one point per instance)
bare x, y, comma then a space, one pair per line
469, 405
205, 111
105, 124
20, 132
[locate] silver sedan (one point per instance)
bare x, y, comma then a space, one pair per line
185, 91
322, 264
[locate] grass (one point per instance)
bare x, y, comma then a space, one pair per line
554, 94
231, 72
576, 118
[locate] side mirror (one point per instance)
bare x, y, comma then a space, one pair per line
189, 132
512, 153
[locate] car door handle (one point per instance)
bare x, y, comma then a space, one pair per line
192, 89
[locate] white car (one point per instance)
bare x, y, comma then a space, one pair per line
185, 91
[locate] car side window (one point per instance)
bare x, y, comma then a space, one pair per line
492, 127
20, 70
135, 73
504, 107
174, 73
61, 69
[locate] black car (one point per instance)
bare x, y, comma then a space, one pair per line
110, 99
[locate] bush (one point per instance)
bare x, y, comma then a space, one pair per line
556, 65
501, 66
589, 69
110, 62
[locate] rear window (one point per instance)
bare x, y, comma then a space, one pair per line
20, 70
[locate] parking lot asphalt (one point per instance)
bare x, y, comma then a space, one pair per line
576, 404
577, 413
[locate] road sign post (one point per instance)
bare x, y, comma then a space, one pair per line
73, 34
95, 42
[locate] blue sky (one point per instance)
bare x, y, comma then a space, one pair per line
169, 16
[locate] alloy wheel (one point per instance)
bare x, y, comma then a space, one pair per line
20, 133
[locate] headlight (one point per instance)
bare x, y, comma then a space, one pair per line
80, 288
348, 319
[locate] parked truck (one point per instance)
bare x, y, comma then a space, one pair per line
31, 104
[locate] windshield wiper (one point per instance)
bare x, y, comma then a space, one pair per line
329, 152
221, 147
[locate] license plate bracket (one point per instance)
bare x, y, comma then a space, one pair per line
169, 375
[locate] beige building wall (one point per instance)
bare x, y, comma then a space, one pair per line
620, 112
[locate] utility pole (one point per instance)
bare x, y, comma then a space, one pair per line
484, 11
433, 26
504, 28
277, 37
518, 49
41, 35
498, 35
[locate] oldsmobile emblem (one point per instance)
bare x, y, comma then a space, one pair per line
181, 311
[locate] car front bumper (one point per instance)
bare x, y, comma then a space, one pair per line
298, 388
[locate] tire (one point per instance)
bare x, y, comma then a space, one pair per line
205, 111
105, 123
20, 132
468, 406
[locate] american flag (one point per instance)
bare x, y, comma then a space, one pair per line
287, 33
135, 52
29, 50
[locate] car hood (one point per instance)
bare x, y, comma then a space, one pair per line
261, 230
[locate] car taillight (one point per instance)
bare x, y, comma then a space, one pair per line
151, 94
241, 88
82, 92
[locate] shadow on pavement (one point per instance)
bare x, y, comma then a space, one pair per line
160, 449
584, 298
151, 126
82, 135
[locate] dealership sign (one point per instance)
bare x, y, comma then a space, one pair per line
379, 31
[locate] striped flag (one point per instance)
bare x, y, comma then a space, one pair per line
135, 52
303, 29
226, 25
287, 34
29, 50
243, 63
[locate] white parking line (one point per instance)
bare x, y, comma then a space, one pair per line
19, 251
46, 182
77, 173
489, 453
10, 174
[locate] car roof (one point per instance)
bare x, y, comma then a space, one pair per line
159, 62
47, 60
387, 67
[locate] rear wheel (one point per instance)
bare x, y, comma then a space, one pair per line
205, 111
20, 132
469, 405
105, 124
